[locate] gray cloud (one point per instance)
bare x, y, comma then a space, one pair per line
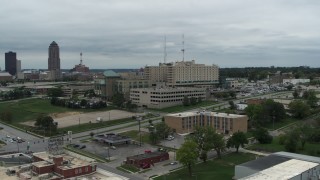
129, 34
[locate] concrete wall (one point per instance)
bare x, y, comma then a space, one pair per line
241, 171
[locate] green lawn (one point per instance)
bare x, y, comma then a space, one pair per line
134, 134
280, 124
180, 108
29, 109
219, 169
309, 149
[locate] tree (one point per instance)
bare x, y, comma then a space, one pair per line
291, 143
203, 136
219, 145
118, 99
295, 94
187, 154
299, 109
232, 105
186, 101
193, 101
83, 102
262, 135
253, 112
162, 130
46, 123
6, 116
199, 100
91, 134
311, 98
238, 139
55, 92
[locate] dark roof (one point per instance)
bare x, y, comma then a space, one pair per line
147, 155
265, 162
53, 43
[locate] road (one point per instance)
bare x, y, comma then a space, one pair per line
39, 144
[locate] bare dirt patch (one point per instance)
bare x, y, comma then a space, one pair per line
73, 118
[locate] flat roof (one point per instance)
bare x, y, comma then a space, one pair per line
75, 162
208, 113
285, 170
264, 162
147, 155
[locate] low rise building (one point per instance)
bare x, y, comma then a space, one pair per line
147, 159
164, 97
5, 76
223, 123
112, 139
280, 165
295, 81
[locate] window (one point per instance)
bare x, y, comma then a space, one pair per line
76, 171
86, 169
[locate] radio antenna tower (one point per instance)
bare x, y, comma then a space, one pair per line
81, 58
182, 47
165, 50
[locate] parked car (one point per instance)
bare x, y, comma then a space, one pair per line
82, 147
76, 145
7, 136
170, 137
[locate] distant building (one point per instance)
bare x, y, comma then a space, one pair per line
183, 73
280, 165
54, 61
5, 76
223, 123
295, 81
11, 62
80, 68
105, 85
165, 96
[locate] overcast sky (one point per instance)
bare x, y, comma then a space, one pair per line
130, 33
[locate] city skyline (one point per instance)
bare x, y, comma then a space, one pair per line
127, 34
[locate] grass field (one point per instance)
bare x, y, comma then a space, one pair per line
24, 110
220, 169
180, 108
134, 134
280, 124
309, 149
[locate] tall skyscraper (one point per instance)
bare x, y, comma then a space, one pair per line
54, 61
11, 62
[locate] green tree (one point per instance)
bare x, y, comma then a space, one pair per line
55, 92
232, 105
193, 101
6, 116
262, 135
118, 99
238, 139
199, 100
253, 112
46, 123
186, 101
83, 102
299, 109
295, 94
187, 154
203, 136
219, 145
291, 143
162, 130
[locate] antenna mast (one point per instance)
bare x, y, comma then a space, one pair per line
81, 58
165, 50
182, 47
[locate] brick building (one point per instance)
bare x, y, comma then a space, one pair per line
60, 166
148, 158
222, 122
